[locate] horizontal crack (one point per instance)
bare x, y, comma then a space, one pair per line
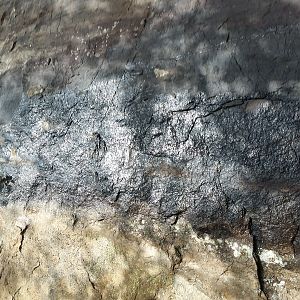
228, 104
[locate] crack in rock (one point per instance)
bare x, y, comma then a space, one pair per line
258, 262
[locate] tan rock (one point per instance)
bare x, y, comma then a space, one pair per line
95, 259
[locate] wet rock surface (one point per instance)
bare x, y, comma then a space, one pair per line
187, 109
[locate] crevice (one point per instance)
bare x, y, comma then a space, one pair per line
93, 284
191, 129
100, 147
176, 215
139, 34
75, 220
293, 239
236, 102
267, 12
13, 46
225, 271
223, 23
118, 196
22, 233
37, 266
176, 258
3, 18
258, 262
228, 37
241, 69
192, 105
13, 297
129, 6
6, 182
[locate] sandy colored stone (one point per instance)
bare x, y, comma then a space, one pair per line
94, 259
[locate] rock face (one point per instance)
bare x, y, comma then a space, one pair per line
173, 112
46, 253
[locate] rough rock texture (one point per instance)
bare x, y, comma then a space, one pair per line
164, 110
50, 254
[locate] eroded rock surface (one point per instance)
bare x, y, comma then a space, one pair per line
64, 256
164, 110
